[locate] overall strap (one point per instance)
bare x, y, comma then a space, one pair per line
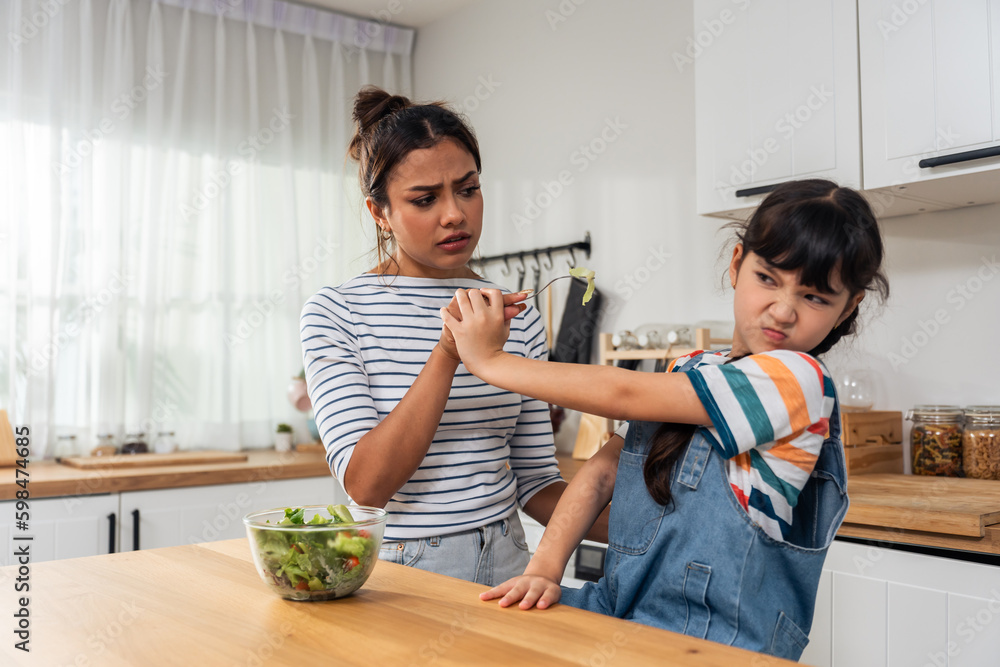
698, 451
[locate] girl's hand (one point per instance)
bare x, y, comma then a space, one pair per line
531, 589
512, 308
481, 326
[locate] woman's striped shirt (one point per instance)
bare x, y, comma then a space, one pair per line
365, 342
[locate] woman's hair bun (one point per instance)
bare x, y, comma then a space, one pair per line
371, 105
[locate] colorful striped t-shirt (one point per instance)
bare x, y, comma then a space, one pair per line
770, 415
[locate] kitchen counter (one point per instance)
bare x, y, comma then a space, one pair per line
205, 604
48, 479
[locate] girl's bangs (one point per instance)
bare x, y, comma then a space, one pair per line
810, 237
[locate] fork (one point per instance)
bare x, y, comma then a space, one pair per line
529, 294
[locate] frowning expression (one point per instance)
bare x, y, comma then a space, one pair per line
435, 211
774, 311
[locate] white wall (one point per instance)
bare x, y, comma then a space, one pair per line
558, 85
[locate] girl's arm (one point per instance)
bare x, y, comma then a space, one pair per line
605, 391
388, 455
585, 498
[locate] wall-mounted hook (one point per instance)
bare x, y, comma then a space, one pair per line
548, 254
505, 269
572, 259
520, 272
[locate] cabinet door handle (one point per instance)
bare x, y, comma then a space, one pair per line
965, 156
111, 533
759, 190
135, 530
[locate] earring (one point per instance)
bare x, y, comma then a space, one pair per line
385, 233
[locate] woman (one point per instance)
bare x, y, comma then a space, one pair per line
405, 426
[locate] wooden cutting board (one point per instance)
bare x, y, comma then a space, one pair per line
932, 504
141, 460
8, 452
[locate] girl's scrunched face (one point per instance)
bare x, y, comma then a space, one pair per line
774, 311
435, 211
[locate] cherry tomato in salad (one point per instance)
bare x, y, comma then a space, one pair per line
363, 533
351, 563
302, 585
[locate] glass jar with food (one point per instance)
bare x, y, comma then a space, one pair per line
135, 443
936, 440
981, 442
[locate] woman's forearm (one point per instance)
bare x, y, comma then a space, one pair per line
386, 457
543, 504
583, 501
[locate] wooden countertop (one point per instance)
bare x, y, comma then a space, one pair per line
207, 605
941, 512
47, 479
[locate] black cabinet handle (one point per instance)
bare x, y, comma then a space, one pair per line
965, 156
759, 190
111, 533
135, 530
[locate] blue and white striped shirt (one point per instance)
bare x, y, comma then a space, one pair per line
365, 342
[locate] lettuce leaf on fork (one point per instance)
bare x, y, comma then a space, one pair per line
581, 272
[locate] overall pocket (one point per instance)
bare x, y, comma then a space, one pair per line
789, 640
695, 593
635, 517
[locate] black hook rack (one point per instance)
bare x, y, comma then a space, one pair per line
583, 245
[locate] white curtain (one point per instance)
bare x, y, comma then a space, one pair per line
174, 187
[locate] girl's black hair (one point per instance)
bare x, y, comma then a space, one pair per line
387, 128
813, 226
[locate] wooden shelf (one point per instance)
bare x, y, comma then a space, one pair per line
595, 431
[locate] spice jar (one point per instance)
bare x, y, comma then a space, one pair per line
165, 443
981, 442
936, 440
135, 443
105, 445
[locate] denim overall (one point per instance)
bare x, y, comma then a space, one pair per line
700, 565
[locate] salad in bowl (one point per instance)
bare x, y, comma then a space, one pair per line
315, 552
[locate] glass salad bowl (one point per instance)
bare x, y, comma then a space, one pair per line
315, 552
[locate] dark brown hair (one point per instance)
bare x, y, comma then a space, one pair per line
387, 128
813, 226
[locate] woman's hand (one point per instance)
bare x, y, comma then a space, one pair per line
512, 308
531, 590
481, 329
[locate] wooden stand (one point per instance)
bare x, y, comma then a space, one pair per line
595, 431
872, 441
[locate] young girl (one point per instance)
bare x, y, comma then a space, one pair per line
728, 485
404, 425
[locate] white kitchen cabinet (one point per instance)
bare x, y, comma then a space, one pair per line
886, 607
68, 527
171, 517
930, 87
776, 98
